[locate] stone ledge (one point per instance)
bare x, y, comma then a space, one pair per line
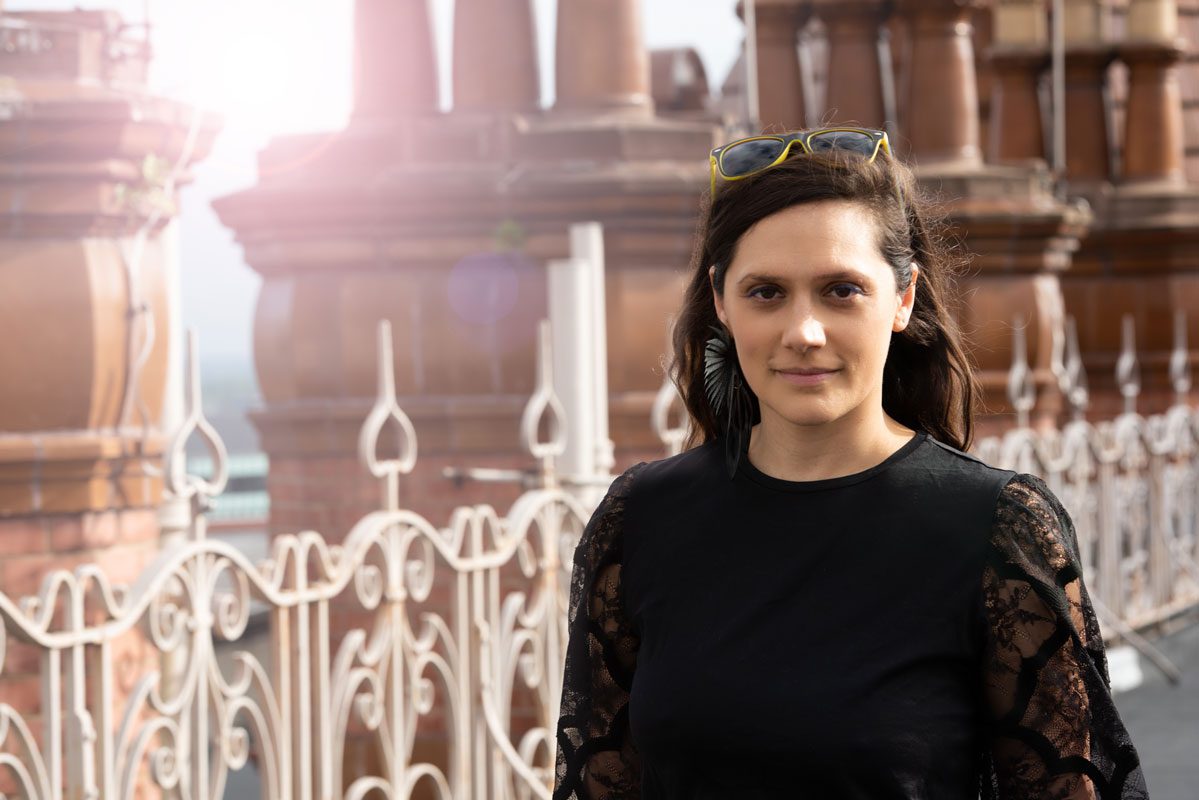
77, 471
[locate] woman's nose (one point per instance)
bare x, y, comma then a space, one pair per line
805, 332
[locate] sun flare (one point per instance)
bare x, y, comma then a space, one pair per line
267, 67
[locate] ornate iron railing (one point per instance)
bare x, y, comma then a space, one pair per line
185, 725
214, 701
1130, 484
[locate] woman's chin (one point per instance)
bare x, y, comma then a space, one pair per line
808, 415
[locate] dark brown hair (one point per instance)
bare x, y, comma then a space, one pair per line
928, 383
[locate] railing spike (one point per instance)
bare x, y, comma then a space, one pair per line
544, 400
1057, 354
671, 436
178, 483
1180, 359
1021, 390
1128, 369
667, 398
1076, 371
387, 408
387, 371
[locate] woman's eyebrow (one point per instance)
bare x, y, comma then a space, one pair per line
841, 274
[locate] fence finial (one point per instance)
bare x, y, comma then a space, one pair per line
1128, 369
1180, 359
1021, 391
1076, 372
666, 400
386, 408
1057, 353
178, 482
544, 401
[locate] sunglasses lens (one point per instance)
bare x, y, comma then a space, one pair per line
746, 157
853, 141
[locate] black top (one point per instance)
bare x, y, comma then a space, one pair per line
918, 630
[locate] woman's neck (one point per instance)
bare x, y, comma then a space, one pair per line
782, 449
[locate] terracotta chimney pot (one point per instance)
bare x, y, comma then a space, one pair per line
394, 70
602, 61
495, 56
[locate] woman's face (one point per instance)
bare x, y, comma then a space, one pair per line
809, 292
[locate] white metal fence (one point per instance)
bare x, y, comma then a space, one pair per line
286, 707
1130, 484
184, 726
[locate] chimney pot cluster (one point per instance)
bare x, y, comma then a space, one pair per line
602, 62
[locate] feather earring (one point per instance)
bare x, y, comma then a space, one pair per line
728, 396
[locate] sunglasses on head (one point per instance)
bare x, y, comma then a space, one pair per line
745, 157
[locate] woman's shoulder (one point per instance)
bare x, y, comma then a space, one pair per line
958, 470
1017, 495
1032, 523
950, 455
656, 481
687, 469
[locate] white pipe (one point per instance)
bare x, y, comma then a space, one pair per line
174, 515
587, 244
569, 287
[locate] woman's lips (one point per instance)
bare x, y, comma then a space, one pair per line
800, 379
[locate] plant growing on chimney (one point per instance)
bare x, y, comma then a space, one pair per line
149, 195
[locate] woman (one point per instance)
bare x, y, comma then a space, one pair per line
827, 598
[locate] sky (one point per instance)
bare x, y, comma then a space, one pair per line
274, 67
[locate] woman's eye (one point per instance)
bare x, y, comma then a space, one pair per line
846, 291
759, 292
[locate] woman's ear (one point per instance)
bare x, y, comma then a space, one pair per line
716, 298
907, 302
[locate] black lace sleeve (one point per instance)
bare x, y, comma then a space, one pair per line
596, 759
1053, 731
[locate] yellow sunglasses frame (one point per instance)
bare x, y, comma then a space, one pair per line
881, 142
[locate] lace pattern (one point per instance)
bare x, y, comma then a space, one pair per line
596, 758
1053, 730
